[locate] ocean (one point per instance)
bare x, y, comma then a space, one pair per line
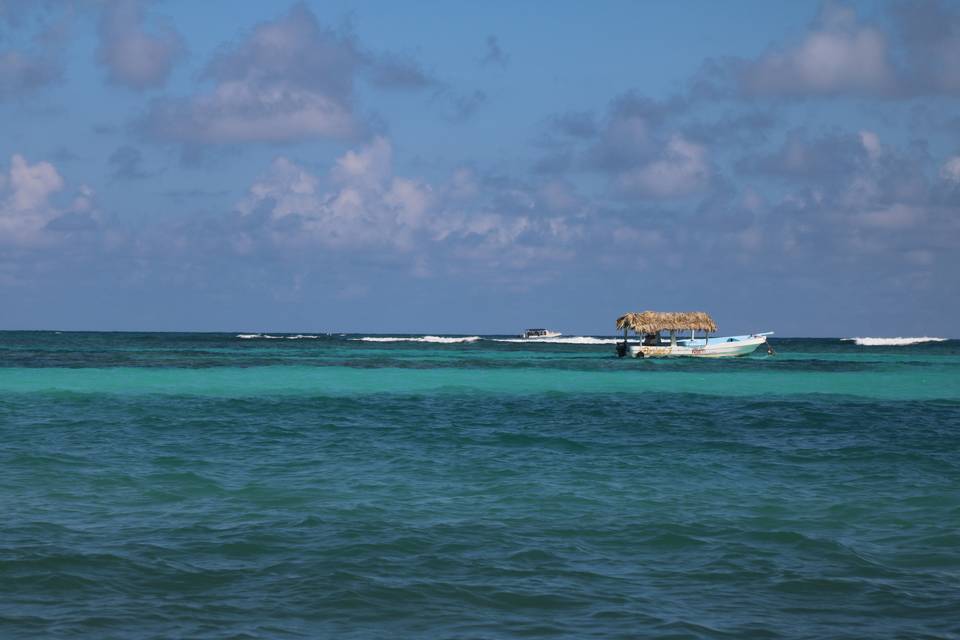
199, 485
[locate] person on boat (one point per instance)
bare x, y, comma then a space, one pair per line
650, 339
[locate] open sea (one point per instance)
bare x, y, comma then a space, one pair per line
198, 485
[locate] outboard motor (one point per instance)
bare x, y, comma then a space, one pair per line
621, 349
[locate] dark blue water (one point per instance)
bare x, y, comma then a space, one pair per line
207, 486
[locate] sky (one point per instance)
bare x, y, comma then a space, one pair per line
478, 168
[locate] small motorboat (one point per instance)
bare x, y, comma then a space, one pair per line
534, 334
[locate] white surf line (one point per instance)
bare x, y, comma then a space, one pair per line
891, 342
431, 339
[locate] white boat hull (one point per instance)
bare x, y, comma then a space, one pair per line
715, 348
548, 334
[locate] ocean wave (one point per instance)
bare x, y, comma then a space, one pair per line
264, 336
891, 342
567, 340
434, 339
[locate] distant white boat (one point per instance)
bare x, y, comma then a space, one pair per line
650, 324
533, 334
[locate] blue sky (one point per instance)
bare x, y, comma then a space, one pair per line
479, 167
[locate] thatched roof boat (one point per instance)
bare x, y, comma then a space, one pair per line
657, 321
649, 325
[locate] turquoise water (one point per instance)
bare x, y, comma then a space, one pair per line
207, 486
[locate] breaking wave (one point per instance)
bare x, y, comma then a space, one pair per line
891, 342
569, 340
455, 340
436, 339
264, 336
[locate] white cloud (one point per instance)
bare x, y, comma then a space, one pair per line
25, 206
871, 143
682, 169
370, 165
950, 170
558, 195
931, 36
32, 185
21, 72
288, 186
894, 216
410, 199
33, 36
362, 204
289, 79
33, 213
83, 202
463, 184
837, 56
133, 56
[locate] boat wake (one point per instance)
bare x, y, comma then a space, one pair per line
891, 342
264, 336
434, 339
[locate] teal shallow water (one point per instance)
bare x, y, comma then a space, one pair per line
198, 485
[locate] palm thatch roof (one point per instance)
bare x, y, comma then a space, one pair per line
657, 321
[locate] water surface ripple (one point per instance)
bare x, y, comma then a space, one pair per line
204, 486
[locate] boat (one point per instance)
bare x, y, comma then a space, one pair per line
533, 334
650, 326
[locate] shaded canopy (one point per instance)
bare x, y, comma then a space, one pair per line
657, 321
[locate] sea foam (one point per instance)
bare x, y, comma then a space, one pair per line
251, 336
448, 340
562, 340
434, 339
891, 342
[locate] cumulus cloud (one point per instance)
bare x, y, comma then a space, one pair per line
871, 143
25, 200
626, 139
32, 58
133, 56
950, 170
838, 55
931, 34
842, 55
637, 144
31, 205
852, 197
633, 132
825, 158
683, 169
21, 73
289, 79
894, 216
361, 203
